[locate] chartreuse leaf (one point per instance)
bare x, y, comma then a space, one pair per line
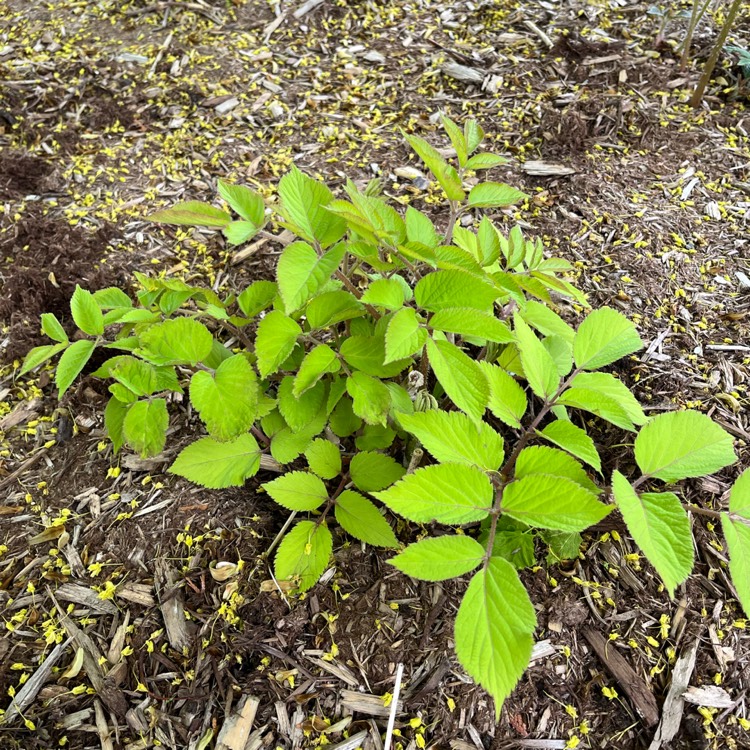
110, 298
299, 412
561, 352
573, 439
494, 195
448, 493
604, 337
547, 322
419, 228
300, 273
216, 465
682, 444
739, 496
344, 422
192, 214
458, 140
494, 627
177, 341
539, 459
451, 437
145, 426
86, 312
114, 418
661, 528
473, 134
367, 353
608, 385
297, 490
442, 289
488, 241
507, 398
238, 232
360, 518
551, 502
227, 403
71, 363
135, 374
485, 161
40, 354
324, 458
371, 400
387, 293
53, 328
443, 172
461, 377
439, 558
304, 554
303, 202
274, 341
258, 296
375, 437
332, 307
597, 403
372, 471
317, 362
737, 535
539, 367
471, 322
404, 336
563, 545
247, 203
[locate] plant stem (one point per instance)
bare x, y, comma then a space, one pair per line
353, 289
695, 16
455, 208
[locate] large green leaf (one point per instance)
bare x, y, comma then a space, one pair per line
71, 363
458, 140
507, 398
192, 214
440, 558
216, 465
139, 376
145, 426
360, 518
247, 203
540, 459
368, 354
445, 289
539, 367
469, 321
550, 502
300, 412
300, 273
608, 385
86, 312
404, 336
451, 437
371, 471
114, 420
573, 439
660, 527
604, 337
371, 399
494, 195
547, 322
330, 308
303, 554
317, 362
111, 298
443, 172
448, 493
324, 458
258, 296
177, 341
737, 535
597, 403
682, 444
739, 496
387, 293
274, 341
419, 228
53, 328
494, 627
297, 490
461, 377
40, 354
239, 232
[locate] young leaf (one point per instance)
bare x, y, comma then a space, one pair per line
494, 195
360, 518
111, 298
216, 465
40, 354
473, 134
573, 439
86, 313
258, 296
419, 228
367, 353
324, 458
303, 554
332, 307
145, 426
71, 363
547, 322
461, 377
135, 374
451, 437
550, 502
507, 398
247, 203
177, 341
300, 273
439, 558
387, 293
274, 341
287, 445
488, 241
344, 422
682, 444
404, 336
471, 322
299, 412
608, 385
319, 361
493, 629
372, 471
660, 527
458, 141
597, 403
375, 437
442, 289
443, 172
485, 161
739, 496
227, 402
53, 328
539, 459
604, 337
371, 400
539, 367
448, 493
192, 214
114, 418
561, 352
297, 490
737, 535
239, 232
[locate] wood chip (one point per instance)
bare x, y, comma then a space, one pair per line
306, 7
236, 729
172, 607
711, 696
137, 593
86, 597
25, 411
351, 743
366, 703
463, 73
546, 169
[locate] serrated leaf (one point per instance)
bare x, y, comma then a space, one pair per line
608, 385
287, 445
661, 528
227, 401
333, 307
372, 471
300, 412
216, 465
458, 141
274, 341
53, 328
344, 422
451, 437
563, 545
561, 352
114, 418
419, 228
550, 502
473, 134
439, 558
443, 172
538, 366
604, 337
360, 518
40, 354
507, 398
737, 535
597, 403
494, 195
177, 341
239, 232
371, 400
573, 439
111, 298
387, 293
244, 201
324, 458
257, 297
367, 353
442, 289
682, 444
404, 336
485, 161
297, 490
86, 312
375, 437
303, 554
73, 360
317, 362
145, 426
488, 242
493, 629
300, 273
448, 493
547, 322
540, 459
461, 377
135, 374
468, 321
192, 214
739, 495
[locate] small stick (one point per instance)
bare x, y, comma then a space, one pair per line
394, 708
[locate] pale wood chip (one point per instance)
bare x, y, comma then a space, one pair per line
337, 670
86, 597
138, 593
711, 696
463, 73
366, 703
546, 169
306, 7
351, 743
102, 727
236, 728
172, 607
